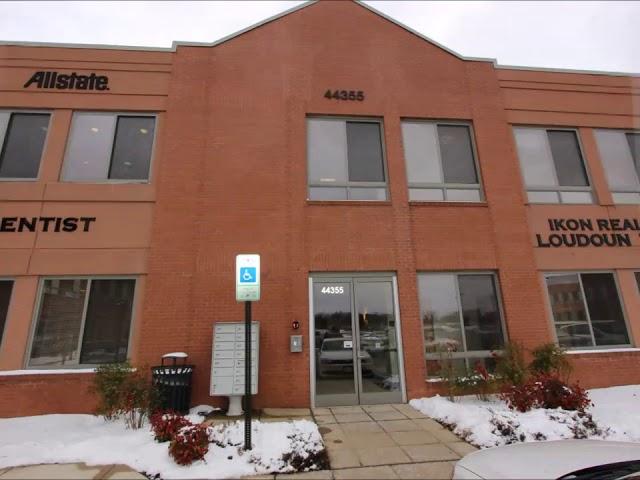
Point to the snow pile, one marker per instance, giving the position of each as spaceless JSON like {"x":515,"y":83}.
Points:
{"x":614,"y":416}
{"x":277,"y":447}
{"x":197,"y":414}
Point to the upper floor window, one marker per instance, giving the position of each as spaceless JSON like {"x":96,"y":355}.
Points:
{"x":22,"y":137}
{"x":552,"y":166}
{"x":620,"y":153}
{"x":440,"y":162}
{"x":82,"y":321}
{"x":6,"y":286}
{"x":109,"y":146}
{"x":345,"y":159}
{"x":586,"y":310}
{"x":461,"y":320}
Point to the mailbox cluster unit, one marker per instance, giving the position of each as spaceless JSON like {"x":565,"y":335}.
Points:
{"x":227,"y":366}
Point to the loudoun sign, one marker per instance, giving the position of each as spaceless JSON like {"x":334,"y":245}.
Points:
{"x":71,"y":81}
{"x":586,"y":232}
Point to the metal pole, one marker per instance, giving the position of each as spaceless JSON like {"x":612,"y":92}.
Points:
{"x":247,"y":375}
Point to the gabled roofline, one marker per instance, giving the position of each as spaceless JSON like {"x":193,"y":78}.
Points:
{"x":424,"y":37}
{"x":177,"y":43}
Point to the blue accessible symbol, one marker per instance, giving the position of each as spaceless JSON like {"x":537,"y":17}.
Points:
{"x":247,"y":274}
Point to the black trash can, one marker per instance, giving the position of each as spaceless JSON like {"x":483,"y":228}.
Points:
{"x":173,"y":383}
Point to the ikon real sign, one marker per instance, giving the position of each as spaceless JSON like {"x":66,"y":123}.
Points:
{"x":590,"y":232}
{"x":247,"y":278}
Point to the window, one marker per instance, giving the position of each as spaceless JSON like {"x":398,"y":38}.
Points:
{"x":440,"y":162}
{"x":346,"y":160}
{"x":22,"y":136}
{"x":461,"y":320}
{"x":82,"y":321}
{"x":6,"y":286}
{"x":106,"y":146}
{"x":620,"y":153}
{"x":592,"y":314}
{"x":552,"y":166}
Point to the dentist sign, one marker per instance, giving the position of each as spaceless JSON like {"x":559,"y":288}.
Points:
{"x":247,"y":278}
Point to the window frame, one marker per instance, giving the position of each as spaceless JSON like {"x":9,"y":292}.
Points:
{"x":154,"y":115}
{"x":11,"y":111}
{"x":558,"y":189}
{"x":444,"y":186}
{"x":465,"y":355}
{"x":551,"y":319}
{"x":614,"y":190}
{"x":6,"y":320}
{"x":348,"y":185}
{"x":36,"y":315}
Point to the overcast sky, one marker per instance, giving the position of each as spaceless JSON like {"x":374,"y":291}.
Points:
{"x":580,"y":35}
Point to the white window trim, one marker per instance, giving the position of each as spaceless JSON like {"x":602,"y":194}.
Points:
{"x":348,"y":185}
{"x":443,"y":186}
{"x":466,"y":354}
{"x":36,"y":315}
{"x":551,"y":319}
{"x":44,"y":145}
{"x":154,"y":115}
{"x":557,"y":188}
{"x":614,"y":189}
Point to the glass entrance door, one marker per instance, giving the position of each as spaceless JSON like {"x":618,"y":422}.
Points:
{"x":356,"y":346}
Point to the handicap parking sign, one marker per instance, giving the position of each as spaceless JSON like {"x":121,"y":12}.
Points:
{"x":247,"y":278}
{"x":247,"y":274}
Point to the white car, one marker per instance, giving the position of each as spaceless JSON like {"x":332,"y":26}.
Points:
{"x":558,"y":459}
{"x":336,"y":357}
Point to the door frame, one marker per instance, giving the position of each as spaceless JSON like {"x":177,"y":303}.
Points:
{"x":398,"y":324}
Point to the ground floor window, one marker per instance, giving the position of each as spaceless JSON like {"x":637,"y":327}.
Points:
{"x":586,"y":310}
{"x":6,"y":286}
{"x":82,"y":321}
{"x":461,"y":319}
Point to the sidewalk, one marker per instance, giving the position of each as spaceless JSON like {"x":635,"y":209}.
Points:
{"x":363,"y":442}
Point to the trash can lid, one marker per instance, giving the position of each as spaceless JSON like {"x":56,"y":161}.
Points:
{"x":175,"y":355}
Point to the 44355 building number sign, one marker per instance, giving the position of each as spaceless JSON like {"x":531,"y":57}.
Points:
{"x":344,"y":95}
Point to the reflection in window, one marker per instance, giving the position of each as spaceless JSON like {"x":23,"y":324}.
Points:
{"x":440,"y":162}
{"x":552,"y":166}
{"x":6,"y":286}
{"x":620,"y":154}
{"x":345,"y":160}
{"x":461,"y":320}
{"x":82,"y":321}
{"x":589,"y":313}
{"x":105,"y":146}
{"x":22,"y":137}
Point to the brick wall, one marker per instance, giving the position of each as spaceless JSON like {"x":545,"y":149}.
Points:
{"x":25,"y":395}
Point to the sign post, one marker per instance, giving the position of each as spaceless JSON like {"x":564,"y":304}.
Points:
{"x":247,"y":291}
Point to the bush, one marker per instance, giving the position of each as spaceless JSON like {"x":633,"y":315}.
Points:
{"x":546,"y":391}
{"x":511,"y":366}
{"x":166,"y":425}
{"x":123,"y":392}
{"x":550,"y":359}
{"x":191,"y":443}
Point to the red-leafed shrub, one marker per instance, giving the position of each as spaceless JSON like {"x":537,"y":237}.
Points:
{"x":189,"y":444}
{"x":546,"y":391}
{"x":165,"y":425}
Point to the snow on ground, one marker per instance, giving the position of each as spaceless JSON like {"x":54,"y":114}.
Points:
{"x":616,"y":413}
{"x":89,"y":439}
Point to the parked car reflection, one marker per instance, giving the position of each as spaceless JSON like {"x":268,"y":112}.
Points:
{"x":336,"y":358}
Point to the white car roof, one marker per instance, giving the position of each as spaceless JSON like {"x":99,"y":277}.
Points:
{"x":552,"y":459}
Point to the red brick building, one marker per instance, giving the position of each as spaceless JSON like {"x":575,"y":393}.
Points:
{"x":404,"y":200}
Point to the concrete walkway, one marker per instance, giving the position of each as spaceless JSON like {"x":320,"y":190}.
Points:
{"x":385,"y":441}
{"x":363,"y":442}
